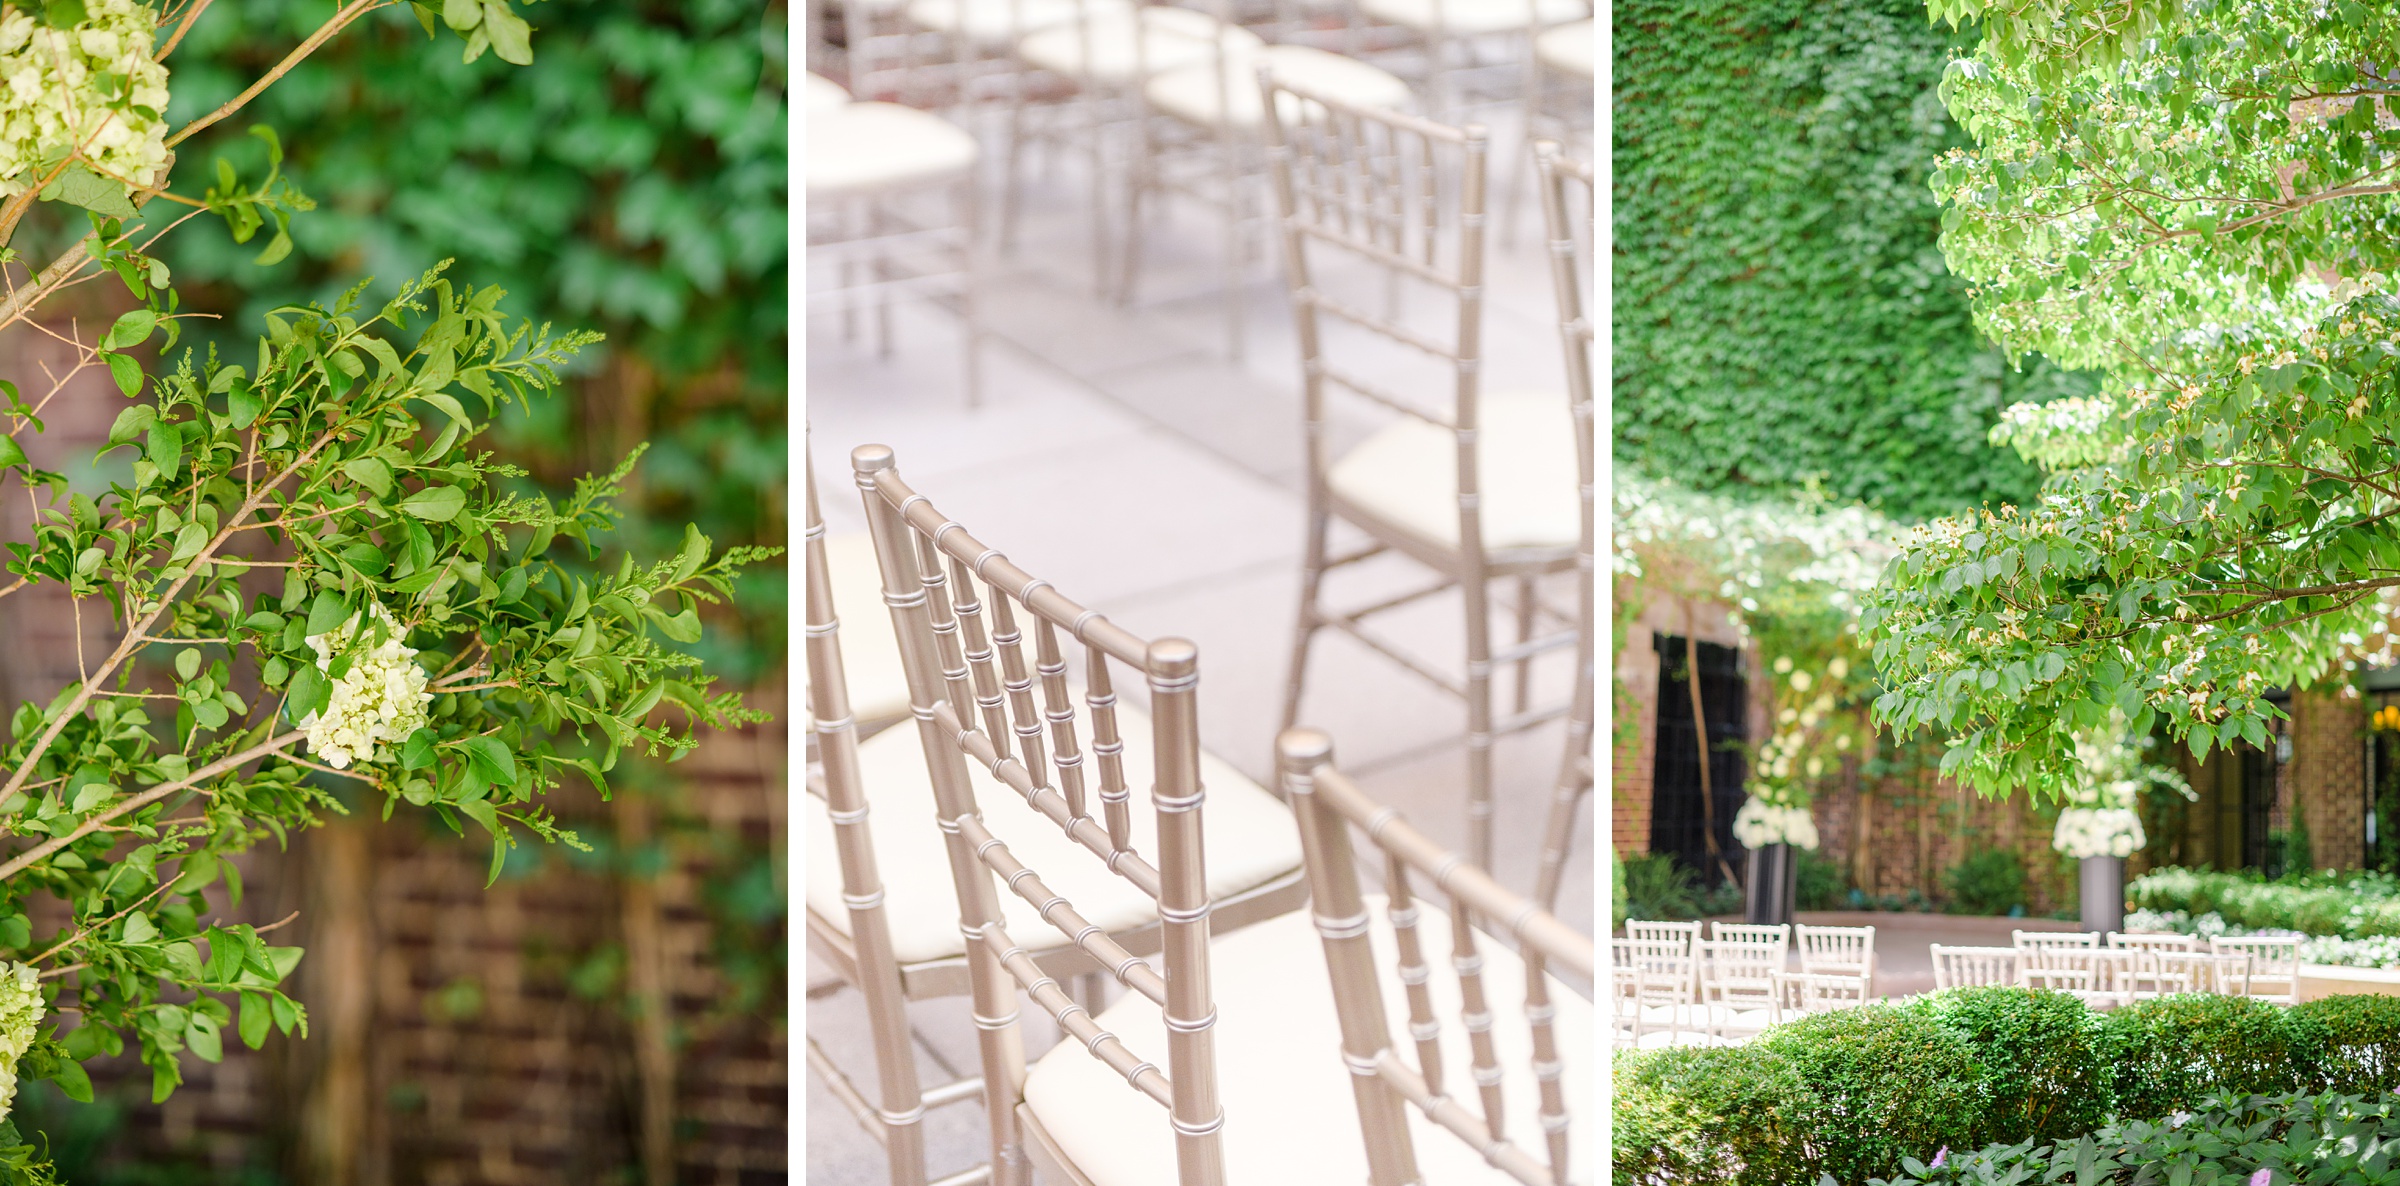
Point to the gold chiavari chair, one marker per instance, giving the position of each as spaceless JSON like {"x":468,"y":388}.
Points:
{"x":967,"y":619}
{"x":1974,"y":967}
{"x":895,"y":1115}
{"x":1476,"y":486}
{"x":1385,"y":1082}
{"x":1570,"y":274}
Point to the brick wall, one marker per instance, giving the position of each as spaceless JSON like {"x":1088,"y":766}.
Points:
{"x":2328,"y":774}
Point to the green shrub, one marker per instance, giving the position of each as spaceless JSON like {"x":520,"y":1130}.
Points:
{"x":2172,"y":1052}
{"x":1883,"y":1083}
{"x":1616,"y":896}
{"x":1657,"y":886}
{"x":1823,"y":884}
{"x":2299,"y":1140}
{"x":2352,"y":1043}
{"x":2047,"y":1073}
{"x":1726,"y":1115}
{"x":1989,"y":882}
{"x":2346,"y":905}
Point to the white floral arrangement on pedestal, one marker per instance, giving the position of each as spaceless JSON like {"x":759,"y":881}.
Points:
{"x":2100,"y":820}
{"x":1760,"y":823}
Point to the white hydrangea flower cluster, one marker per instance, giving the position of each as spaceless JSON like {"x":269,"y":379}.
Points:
{"x":1760,"y":823}
{"x":1756,"y":548}
{"x":20,"y":1012}
{"x":50,"y":103}
{"x":378,"y":702}
{"x":2099,"y":832}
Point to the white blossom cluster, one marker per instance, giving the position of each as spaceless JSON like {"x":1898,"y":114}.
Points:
{"x":1760,"y":823}
{"x":1836,"y":552}
{"x":379,"y":701}
{"x":52,"y":101}
{"x":20,"y":1012}
{"x":2373,"y":951}
{"x":2099,"y":832}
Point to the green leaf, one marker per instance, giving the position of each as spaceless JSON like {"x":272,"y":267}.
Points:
{"x":256,"y":1017}
{"x":492,"y":758}
{"x":166,"y":447}
{"x":16,"y":931}
{"x":187,"y":662}
{"x":132,"y":329}
{"x":79,"y":186}
{"x":462,"y":15}
{"x":126,"y":372}
{"x":11,"y":454}
{"x":439,"y":504}
{"x":201,"y":1034}
{"x":244,"y":403}
{"x":511,"y":37}
{"x":307,"y":694}
{"x":370,"y":473}
{"x":72,"y":1081}
{"x":131,"y":424}
{"x":326,"y":613}
{"x":417,"y":752}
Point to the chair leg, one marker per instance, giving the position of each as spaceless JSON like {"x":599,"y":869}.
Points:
{"x":1312,"y":580}
{"x":1525,"y":607}
{"x":1479,"y":719}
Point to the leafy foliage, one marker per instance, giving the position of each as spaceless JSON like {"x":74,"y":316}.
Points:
{"x":1783,"y":315}
{"x":2350,"y":905}
{"x":1991,"y":881}
{"x":2194,"y":197}
{"x":2294,"y":1139}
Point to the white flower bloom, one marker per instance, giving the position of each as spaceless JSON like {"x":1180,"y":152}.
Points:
{"x":1760,"y":823}
{"x":20,"y":1012}
{"x":2098,"y":832}
{"x":378,"y":702}
{"x":1838,"y":668}
{"x":50,"y":106}
{"x":1800,"y":681}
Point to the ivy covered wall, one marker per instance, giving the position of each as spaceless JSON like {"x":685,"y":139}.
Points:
{"x":1782,"y":311}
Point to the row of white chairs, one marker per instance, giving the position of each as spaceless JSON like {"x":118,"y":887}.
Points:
{"x":2129,"y":966}
{"x":1669,"y":985}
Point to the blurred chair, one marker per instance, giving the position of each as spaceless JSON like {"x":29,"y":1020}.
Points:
{"x":819,"y":93}
{"x":1474,"y":486}
{"x":1473,"y":52}
{"x":1974,"y":967}
{"x":1741,"y":985}
{"x":1386,"y":1083}
{"x":1838,"y":952}
{"x":2274,"y":959}
{"x":2064,"y":961}
{"x":1558,"y":108}
{"x":865,"y":162}
{"x":1202,"y":140}
{"x":1034,"y":810}
{"x":1817,"y":992}
{"x":1571,"y":276}
{"x":1776,"y":933}
{"x":2159,"y":965}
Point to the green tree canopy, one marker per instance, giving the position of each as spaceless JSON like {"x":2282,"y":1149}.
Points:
{"x":2195,"y":196}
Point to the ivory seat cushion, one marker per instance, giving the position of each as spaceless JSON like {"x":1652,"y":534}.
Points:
{"x":877,"y":684}
{"x":819,"y":93}
{"x":1407,"y":475}
{"x":996,"y":24}
{"x":869,"y":147}
{"x":1171,"y":38}
{"x":1190,"y":94}
{"x":1473,"y":16}
{"x":1568,"y":48}
{"x":1249,"y":835}
{"x":1290,"y":1116}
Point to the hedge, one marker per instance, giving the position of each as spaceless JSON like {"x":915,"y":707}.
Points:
{"x":2348,"y":906}
{"x":1853,"y":1093}
{"x":2294,"y":1139}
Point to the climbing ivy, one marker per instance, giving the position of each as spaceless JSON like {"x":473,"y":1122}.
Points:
{"x":1783,"y":312}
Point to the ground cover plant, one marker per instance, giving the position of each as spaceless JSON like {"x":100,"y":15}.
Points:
{"x":2295,"y":1139}
{"x":308,"y":572}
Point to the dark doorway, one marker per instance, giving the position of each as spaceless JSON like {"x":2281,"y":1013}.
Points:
{"x":1678,"y":822}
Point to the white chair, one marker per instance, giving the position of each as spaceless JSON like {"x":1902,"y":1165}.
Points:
{"x":1838,"y":952}
{"x":1457,"y":39}
{"x":819,"y":93}
{"x":1976,"y":967}
{"x":1741,"y":986}
{"x":868,"y":166}
{"x":2155,"y":965}
{"x":2064,"y":961}
{"x":1816,"y":992}
{"x":2273,"y":959}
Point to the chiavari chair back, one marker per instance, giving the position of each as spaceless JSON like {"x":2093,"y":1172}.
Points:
{"x":1378,"y":206}
{"x":2067,"y":961}
{"x":2273,"y":970}
{"x":1385,"y":1080}
{"x":1741,"y":984}
{"x":1974,"y":967}
{"x":987,"y":652}
{"x":1571,"y":277}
